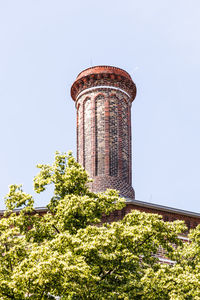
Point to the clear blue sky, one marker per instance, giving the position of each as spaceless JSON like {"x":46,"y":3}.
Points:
{"x":44,"y":44}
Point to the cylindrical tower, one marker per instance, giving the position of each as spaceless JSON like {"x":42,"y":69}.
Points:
{"x":103,"y":96}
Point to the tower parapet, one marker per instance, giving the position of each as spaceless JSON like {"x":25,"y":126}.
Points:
{"x":103,"y":96}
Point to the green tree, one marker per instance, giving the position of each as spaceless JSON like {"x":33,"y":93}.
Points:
{"x":68,"y":253}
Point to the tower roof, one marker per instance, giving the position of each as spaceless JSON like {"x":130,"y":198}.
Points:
{"x":103,"y":70}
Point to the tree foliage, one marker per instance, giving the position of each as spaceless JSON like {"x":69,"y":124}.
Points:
{"x":69,"y":254}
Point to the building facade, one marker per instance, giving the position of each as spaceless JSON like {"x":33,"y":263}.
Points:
{"x":103,"y":98}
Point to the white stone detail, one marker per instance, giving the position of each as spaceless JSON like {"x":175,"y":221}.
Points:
{"x":100,"y":87}
{"x":168,"y":261}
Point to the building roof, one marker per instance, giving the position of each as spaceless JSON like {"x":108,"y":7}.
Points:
{"x":164,"y":208}
{"x":141,"y":204}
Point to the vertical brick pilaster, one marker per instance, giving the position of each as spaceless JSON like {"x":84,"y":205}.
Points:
{"x":80,"y":133}
{"x":120,"y":140}
{"x":130,"y":150}
{"x":83,"y":133}
{"x":77,"y":135}
{"x":93,"y":142}
{"x":107,"y":137}
{"x":103,"y":95}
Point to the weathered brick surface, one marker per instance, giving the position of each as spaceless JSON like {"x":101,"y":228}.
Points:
{"x":99,"y":135}
{"x":113,"y":133}
{"x":101,"y":183}
{"x":190,"y":221}
{"x":87,"y":135}
{"x":104,"y":101}
{"x":103,"y":98}
{"x":125,"y":142}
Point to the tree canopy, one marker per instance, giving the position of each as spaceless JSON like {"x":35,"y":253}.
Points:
{"x":68,"y":253}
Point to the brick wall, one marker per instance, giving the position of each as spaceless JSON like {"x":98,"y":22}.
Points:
{"x":168,"y":216}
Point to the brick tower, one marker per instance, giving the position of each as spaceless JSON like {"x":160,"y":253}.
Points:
{"x":103,"y":96}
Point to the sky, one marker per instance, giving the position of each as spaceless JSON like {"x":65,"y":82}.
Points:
{"x":44,"y":44}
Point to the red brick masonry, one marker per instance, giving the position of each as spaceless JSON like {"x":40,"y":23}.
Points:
{"x":170,"y":214}
{"x":104,"y":96}
{"x":191,"y":219}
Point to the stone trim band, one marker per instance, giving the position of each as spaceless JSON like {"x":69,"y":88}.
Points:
{"x":101,"y":87}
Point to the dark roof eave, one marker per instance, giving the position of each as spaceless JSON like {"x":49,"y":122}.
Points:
{"x":141,"y":204}
{"x":163,"y":208}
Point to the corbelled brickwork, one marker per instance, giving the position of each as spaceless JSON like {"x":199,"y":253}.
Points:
{"x":103,"y":98}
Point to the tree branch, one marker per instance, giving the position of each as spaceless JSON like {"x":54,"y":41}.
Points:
{"x":144,"y":241}
{"x":56,"y":228}
{"x":9,"y":260}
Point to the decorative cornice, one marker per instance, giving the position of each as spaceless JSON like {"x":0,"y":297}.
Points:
{"x":103,"y":76}
{"x":101,"y":87}
{"x":103,"y":69}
